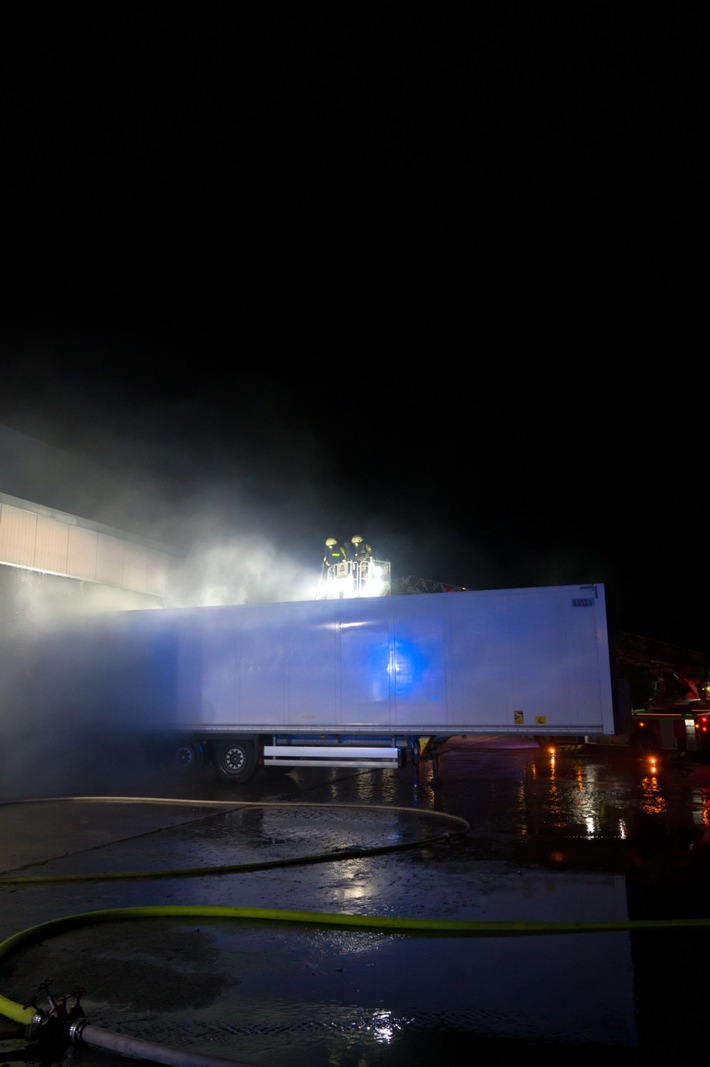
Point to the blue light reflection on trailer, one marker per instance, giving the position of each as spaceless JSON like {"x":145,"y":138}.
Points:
{"x":407,"y":665}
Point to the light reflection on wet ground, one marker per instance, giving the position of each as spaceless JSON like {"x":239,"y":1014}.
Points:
{"x":581,"y":836}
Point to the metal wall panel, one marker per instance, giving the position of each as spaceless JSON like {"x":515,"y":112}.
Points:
{"x":18,"y":531}
{"x":52,"y":538}
{"x":81,"y":554}
{"x":109,"y":560}
{"x":54,"y":543}
{"x":135,"y":566}
{"x":51,"y":545}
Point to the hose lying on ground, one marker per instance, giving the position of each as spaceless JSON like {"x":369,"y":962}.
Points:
{"x":136,"y":1048}
{"x":437,"y":927}
{"x":456,"y":827}
{"x":79,"y":1029}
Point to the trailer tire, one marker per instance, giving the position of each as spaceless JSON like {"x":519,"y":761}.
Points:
{"x":235,"y":761}
{"x":186,"y":757}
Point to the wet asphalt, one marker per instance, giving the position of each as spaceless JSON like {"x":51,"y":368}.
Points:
{"x":296,"y":970}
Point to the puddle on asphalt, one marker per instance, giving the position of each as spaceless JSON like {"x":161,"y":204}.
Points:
{"x":270,"y":993}
{"x":289,"y":996}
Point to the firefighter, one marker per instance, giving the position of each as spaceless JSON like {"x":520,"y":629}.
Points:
{"x":361,"y":550}
{"x":334,"y":553}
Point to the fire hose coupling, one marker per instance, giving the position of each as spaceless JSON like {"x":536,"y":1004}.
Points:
{"x":52,"y":1023}
{"x":77,"y":1029}
{"x":33,"y":1028}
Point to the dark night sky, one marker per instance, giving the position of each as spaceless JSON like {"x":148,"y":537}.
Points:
{"x":426,"y":272}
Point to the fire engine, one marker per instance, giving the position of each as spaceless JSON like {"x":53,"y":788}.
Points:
{"x":663,"y":695}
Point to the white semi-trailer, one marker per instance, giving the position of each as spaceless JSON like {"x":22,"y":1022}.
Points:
{"x":358,"y":681}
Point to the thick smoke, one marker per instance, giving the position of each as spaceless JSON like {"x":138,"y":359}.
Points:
{"x":245,"y":491}
{"x":246,"y":514}
{"x":244,"y":500}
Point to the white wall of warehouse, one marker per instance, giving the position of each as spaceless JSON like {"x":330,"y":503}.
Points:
{"x":42,"y":540}
{"x":58,"y":561}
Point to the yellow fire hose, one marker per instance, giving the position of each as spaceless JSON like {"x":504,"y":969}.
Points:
{"x":437,"y":927}
{"x":121,"y":1045}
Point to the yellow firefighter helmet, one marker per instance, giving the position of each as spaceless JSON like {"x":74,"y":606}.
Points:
{"x":357,"y":540}
{"x":330,"y":542}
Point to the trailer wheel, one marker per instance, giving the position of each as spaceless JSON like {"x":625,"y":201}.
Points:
{"x":235,"y":760}
{"x":186,"y":757}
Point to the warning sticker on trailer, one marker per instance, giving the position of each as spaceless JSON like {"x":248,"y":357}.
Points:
{"x":518,"y":718}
